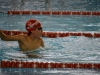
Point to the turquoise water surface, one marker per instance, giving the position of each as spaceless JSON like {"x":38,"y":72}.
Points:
{"x":67,"y":49}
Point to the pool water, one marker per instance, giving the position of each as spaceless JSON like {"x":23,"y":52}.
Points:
{"x":66,"y":49}
{"x":73,"y":46}
{"x":30,"y":71}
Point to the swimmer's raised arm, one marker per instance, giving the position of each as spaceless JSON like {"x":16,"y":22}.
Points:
{"x":28,"y":42}
{"x":9,"y":37}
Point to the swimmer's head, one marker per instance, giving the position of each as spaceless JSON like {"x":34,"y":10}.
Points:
{"x":32,"y":24}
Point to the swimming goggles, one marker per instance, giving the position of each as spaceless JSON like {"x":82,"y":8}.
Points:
{"x":40,"y":28}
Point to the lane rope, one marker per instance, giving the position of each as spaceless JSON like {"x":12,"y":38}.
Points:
{"x":51,"y":34}
{"x":31,"y":64}
{"x":27,"y":64}
{"x":34,"y":12}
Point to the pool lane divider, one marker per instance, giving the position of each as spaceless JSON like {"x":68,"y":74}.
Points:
{"x":26,"y":64}
{"x":50,"y":34}
{"x":36,"y":12}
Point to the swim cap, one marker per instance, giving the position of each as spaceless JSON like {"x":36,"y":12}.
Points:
{"x":32,"y":24}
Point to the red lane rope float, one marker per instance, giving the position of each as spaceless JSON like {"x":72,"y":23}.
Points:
{"x":25,"y":12}
{"x":56,"y":34}
{"x":46,"y":12}
{"x":97,"y":35}
{"x":76,"y":13}
{"x":34,"y":12}
{"x":66,"y":13}
{"x":86,"y":13}
{"x":56,"y":13}
{"x":87,"y":34}
{"x":26,"y":64}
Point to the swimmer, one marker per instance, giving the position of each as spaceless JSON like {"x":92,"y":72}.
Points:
{"x":28,"y":42}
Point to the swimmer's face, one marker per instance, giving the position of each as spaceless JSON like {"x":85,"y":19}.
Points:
{"x":38,"y":32}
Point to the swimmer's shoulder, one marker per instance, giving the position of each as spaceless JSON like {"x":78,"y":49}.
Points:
{"x":21,"y":36}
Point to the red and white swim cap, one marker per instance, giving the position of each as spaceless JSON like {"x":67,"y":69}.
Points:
{"x":32,"y":24}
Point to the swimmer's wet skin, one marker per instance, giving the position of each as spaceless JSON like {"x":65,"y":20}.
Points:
{"x":28,"y":42}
